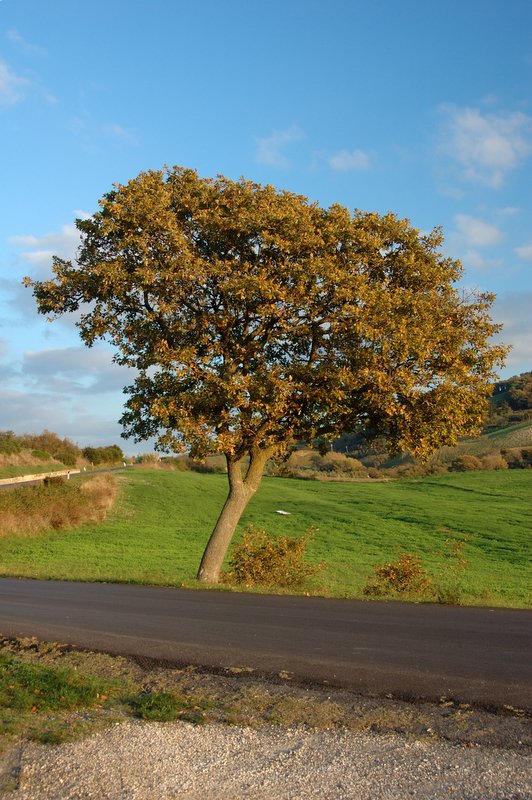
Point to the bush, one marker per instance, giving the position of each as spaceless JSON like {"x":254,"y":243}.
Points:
{"x":465,"y":463}
{"x":9,"y":443}
{"x":493,"y":461}
{"x":270,"y":560}
{"x":437,"y":468}
{"x":112,"y":454}
{"x":448,"y":588}
{"x":403,"y":576}
{"x":54,"y":480}
{"x":62,"y":450}
{"x":338,"y":464}
{"x":150,"y":459}
{"x":518,"y":457}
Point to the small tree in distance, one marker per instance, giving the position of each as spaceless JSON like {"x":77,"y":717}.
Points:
{"x":256,"y":319}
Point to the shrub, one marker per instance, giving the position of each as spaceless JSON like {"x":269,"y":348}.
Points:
{"x":62,"y":450}
{"x":448,"y":589}
{"x":54,"y":480}
{"x":270,"y":560}
{"x":518,"y":457}
{"x":437,"y":468}
{"x":465,"y":463}
{"x":112,"y":454}
{"x":403,"y":576}
{"x":337,"y":463}
{"x":151,"y":459}
{"x":408,"y":471}
{"x":9,"y":443}
{"x":493,"y":461}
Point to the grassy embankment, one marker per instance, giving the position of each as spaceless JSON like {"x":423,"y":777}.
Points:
{"x":31,"y":469}
{"x":158,"y":528}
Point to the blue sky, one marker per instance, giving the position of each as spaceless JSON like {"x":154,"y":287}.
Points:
{"x":418,"y":107}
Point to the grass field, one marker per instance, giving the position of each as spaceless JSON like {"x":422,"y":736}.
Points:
{"x":158,"y":528}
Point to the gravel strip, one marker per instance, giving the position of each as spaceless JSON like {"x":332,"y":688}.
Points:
{"x":143,"y":761}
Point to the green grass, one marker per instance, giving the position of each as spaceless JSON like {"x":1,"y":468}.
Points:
{"x":158,"y":529}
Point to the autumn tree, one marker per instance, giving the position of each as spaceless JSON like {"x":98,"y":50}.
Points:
{"x":255,"y":319}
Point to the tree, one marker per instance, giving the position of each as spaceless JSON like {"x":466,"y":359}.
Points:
{"x":255,"y":319}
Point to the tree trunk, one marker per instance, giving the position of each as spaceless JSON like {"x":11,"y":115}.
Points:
{"x":241,"y":490}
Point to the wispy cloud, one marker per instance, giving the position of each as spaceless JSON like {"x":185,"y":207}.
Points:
{"x":23,"y":45}
{"x":470,"y":237}
{"x":474,"y":232}
{"x":525,"y":252}
{"x":270,"y":149}
{"x":118,"y":132}
{"x":346,"y":160}
{"x":91,"y":132}
{"x":485,"y":147}
{"x":12,"y":87}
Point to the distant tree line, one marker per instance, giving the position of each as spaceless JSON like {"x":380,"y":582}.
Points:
{"x":49,"y":446}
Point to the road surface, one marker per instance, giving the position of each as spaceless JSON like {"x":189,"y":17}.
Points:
{"x":410,"y":651}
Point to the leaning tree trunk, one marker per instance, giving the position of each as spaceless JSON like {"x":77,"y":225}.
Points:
{"x":241,"y":490}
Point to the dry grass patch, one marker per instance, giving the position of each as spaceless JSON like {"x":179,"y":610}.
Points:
{"x":56,"y":504}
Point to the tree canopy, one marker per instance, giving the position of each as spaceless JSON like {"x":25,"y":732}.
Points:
{"x":255,"y":318}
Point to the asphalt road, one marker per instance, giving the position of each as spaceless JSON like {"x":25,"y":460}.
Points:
{"x":474,"y":655}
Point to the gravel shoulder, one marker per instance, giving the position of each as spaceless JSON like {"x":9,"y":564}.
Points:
{"x":267,"y":739}
{"x":181,"y":760}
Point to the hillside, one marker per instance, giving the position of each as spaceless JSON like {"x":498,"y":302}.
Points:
{"x":507,"y":433}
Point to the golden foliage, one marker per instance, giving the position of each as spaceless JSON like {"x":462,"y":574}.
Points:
{"x":254,"y":318}
{"x":257,"y":318}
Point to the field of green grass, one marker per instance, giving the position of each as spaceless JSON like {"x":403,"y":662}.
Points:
{"x":160,"y":524}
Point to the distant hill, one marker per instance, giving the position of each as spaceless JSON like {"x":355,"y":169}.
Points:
{"x":511,"y":402}
{"x":508,"y":427}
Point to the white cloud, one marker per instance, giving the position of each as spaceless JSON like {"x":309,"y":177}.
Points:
{"x":23,"y":45}
{"x":270,"y":149}
{"x":485,"y":147}
{"x":524,"y":252}
{"x":12,"y":87}
{"x":473,"y":232}
{"x":38,"y":250}
{"x":472,"y":259}
{"x":509,"y":211}
{"x":347,"y":160}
